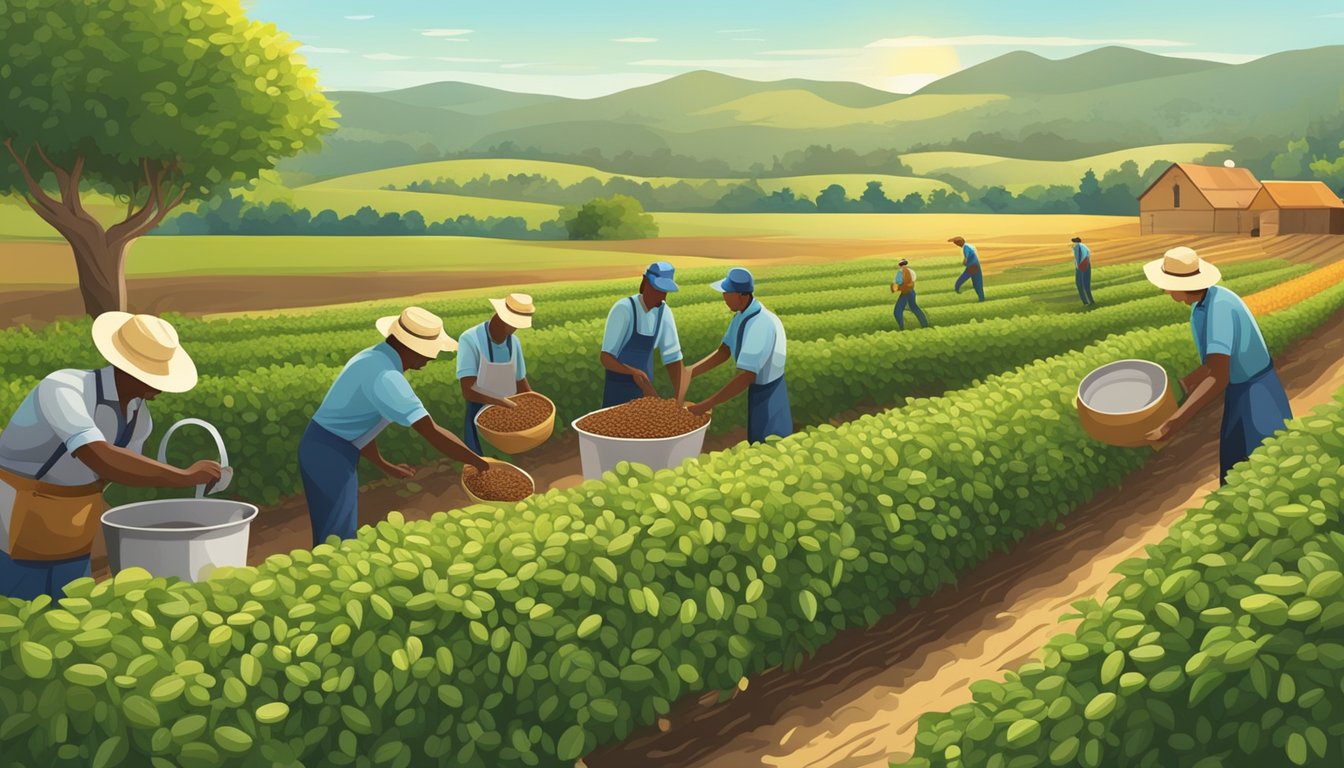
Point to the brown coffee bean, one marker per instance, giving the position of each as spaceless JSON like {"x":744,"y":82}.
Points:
{"x":646,"y":418}
{"x":532,"y":410}
{"x":501,"y":482}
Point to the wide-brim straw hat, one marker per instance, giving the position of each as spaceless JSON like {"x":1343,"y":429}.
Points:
{"x":1181,"y":269}
{"x":516,"y":309}
{"x":420,"y":330}
{"x":145,"y":347}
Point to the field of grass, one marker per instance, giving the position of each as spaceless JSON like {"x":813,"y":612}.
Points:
{"x":930,"y":227}
{"x":1017,"y":175}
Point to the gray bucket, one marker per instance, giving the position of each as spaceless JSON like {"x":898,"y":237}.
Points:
{"x":181,"y":538}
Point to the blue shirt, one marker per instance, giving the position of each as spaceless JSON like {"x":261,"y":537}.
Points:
{"x":972,"y":259}
{"x":618,"y":330}
{"x":1223,"y":325}
{"x":763,"y":345}
{"x":900,"y":276}
{"x":1080,"y":254}
{"x":370,"y":392}
{"x":472,"y":351}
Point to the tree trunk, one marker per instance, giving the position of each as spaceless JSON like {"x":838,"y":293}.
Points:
{"x":102,"y":276}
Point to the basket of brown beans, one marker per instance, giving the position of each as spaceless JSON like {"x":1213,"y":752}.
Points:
{"x":501,"y":482}
{"x":521,"y":428}
{"x":651,"y":431}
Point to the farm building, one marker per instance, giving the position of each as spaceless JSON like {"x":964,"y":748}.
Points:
{"x":1296,"y":207}
{"x":1198,"y":199}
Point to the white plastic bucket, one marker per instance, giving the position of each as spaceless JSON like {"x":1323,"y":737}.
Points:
{"x":183,"y":538}
{"x":600,"y":453}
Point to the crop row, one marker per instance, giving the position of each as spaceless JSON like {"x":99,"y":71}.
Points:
{"x":531,"y":634}
{"x":1223,"y":646}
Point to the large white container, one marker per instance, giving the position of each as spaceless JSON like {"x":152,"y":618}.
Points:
{"x":182,"y":538}
{"x":600,"y":453}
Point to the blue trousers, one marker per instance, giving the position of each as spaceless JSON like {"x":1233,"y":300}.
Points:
{"x":26,"y":579}
{"x":329,"y":465}
{"x":768,"y":411}
{"x":977,"y":279}
{"x":1083,"y":279}
{"x":1252,"y":411}
{"x":908,"y":300}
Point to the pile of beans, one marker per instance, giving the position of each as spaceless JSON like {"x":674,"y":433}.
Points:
{"x":501,"y":482}
{"x":532,"y":410}
{"x":647,"y":418}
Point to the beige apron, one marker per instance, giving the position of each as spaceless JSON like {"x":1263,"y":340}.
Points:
{"x":52,"y":522}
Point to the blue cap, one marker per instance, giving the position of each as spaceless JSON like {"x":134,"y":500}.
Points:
{"x":738,"y":280}
{"x":660,"y":275}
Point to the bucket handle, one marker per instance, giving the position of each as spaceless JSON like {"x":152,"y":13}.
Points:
{"x":227,"y":473}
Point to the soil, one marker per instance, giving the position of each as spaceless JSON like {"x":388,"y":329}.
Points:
{"x":857,"y":702}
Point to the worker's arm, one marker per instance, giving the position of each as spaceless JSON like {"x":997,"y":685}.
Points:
{"x":641,"y":378}
{"x":736,"y":386}
{"x":1209,"y":388}
{"x":676,"y":374}
{"x":375,"y":457}
{"x":471,"y":394}
{"x":523,"y":385}
{"x":712,"y":361}
{"x":448,"y":444}
{"x":119,"y":465}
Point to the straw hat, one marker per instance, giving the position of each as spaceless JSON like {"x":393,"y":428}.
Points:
{"x":515,"y":309}
{"x":147,"y":348}
{"x":420,"y":330}
{"x":1181,"y":269}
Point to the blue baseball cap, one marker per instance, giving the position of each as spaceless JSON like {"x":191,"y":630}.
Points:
{"x":738,"y":280}
{"x":660,"y":274}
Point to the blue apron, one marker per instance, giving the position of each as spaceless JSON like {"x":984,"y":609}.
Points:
{"x":26,"y":579}
{"x":768,"y":410}
{"x":1252,"y":411}
{"x":329,"y":468}
{"x":637,"y":353}
{"x":470,"y":435}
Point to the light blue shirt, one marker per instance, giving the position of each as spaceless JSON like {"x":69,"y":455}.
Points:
{"x":368,"y":394}
{"x":900,"y":276}
{"x":476,"y":347}
{"x":972,"y":258}
{"x":1080,"y":254}
{"x":618,"y":330}
{"x":1223,"y":325}
{"x":764,"y":346}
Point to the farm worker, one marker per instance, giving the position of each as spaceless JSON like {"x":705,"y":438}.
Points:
{"x":369,"y":393}
{"x":1082,"y":271}
{"x":971,"y":260}
{"x":490,"y":365}
{"x":75,"y":432}
{"x":635,"y":326}
{"x":1235,"y":360}
{"x":755,"y":340}
{"x":904,"y":283}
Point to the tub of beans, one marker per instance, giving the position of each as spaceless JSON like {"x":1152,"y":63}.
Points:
{"x":501,"y":482}
{"x":519,"y":429}
{"x":651,"y":431}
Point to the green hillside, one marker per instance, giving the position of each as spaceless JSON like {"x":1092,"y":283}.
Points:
{"x":1021,"y":72}
{"x":1016,"y":175}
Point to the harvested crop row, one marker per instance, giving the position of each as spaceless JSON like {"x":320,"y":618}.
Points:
{"x":532,"y":409}
{"x":645,"y":418}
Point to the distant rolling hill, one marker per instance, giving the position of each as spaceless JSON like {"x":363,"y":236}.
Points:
{"x":1020,"y":72}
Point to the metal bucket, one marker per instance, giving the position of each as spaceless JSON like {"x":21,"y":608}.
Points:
{"x":182,"y":538}
{"x":600,"y":453}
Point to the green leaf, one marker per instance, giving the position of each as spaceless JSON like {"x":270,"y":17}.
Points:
{"x":571,"y":744}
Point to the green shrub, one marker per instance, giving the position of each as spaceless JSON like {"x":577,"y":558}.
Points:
{"x":619,"y":217}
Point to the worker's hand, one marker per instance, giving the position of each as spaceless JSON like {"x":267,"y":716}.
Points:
{"x":204,"y":473}
{"x":402,"y":471}
{"x":480,"y":464}
{"x":642,"y":381}
{"x":1162,"y":433}
{"x":893,"y":287}
{"x":698,"y":409}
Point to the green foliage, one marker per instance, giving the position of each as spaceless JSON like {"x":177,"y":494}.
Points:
{"x":618,"y":217}
{"x":119,"y":83}
{"x":1230,"y":632}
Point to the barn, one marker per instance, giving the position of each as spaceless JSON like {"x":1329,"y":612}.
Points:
{"x":1190,"y":199}
{"x":1296,"y":207}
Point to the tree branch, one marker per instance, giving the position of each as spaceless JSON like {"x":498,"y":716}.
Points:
{"x":155,"y":208}
{"x":36,"y":195}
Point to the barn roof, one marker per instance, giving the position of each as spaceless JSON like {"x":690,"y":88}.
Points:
{"x":1222,"y":187}
{"x":1302,"y":194}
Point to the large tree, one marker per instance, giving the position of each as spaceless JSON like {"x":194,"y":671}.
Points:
{"x":150,"y":102}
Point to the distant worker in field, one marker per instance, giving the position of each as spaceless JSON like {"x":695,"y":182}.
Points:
{"x":490,"y":366}
{"x":1235,"y":361}
{"x":368,"y":394}
{"x":636,"y":325}
{"x":74,"y":433}
{"x":755,"y":341}
{"x":970,"y":259}
{"x":1082,"y":271}
{"x":904,"y":284}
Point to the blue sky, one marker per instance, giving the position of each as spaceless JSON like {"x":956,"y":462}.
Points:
{"x":587,"y":49}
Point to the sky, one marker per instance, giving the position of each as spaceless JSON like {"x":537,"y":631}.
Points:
{"x":594,"y":47}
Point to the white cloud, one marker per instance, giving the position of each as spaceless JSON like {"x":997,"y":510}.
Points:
{"x":920,"y":41}
{"x":360,"y":18}
{"x":520,"y":65}
{"x":315,"y":49}
{"x":458,"y":59}
{"x":1225,"y":58}
{"x":634,"y":40}
{"x":385,"y":57}
{"x":445,"y":32}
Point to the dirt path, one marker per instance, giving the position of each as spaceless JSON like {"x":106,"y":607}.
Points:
{"x":856,"y":704}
